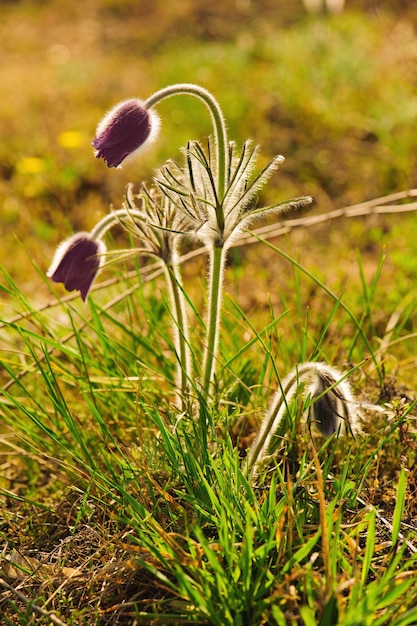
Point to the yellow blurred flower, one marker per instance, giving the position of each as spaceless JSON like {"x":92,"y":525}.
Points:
{"x":31,"y":165}
{"x":70,"y":139}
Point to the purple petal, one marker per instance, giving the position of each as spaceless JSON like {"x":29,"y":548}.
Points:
{"x":76,"y":263}
{"x":122,"y":131}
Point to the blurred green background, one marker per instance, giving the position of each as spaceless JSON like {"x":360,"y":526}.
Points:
{"x":334,"y":93}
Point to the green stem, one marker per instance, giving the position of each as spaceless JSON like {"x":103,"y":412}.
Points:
{"x":173,"y":275}
{"x":219,"y":124}
{"x":217,"y":254}
{"x":271,"y":423}
{"x":180,"y":327}
{"x":217,"y":263}
{"x":112,"y":219}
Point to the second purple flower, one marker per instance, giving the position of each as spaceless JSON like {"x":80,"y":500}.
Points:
{"x":124,"y":131}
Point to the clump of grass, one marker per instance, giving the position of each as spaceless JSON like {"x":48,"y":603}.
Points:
{"x":175,"y":530}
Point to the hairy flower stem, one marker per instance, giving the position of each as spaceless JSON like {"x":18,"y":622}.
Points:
{"x":216,"y":270}
{"x":217,"y":254}
{"x":219,"y":124}
{"x":174,"y":281}
{"x":272,"y":421}
{"x":180,"y":328}
{"x":112,"y":219}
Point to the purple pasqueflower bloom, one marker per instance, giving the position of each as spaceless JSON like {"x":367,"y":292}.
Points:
{"x":124,"y":131}
{"x":76,"y":262}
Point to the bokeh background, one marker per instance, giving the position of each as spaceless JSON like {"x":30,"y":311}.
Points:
{"x":334,"y":92}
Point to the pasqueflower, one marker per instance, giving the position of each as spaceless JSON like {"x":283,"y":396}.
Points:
{"x":332,"y":409}
{"x":76,"y":262}
{"x":124,"y":131}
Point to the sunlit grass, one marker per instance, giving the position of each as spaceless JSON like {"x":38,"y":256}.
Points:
{"x":91,"y":404}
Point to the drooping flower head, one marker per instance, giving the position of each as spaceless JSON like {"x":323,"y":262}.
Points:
{"x":333,"y":405}
{"x":124,"y":131}
{"x":76,"y":262}
{"x":333,"y":408}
